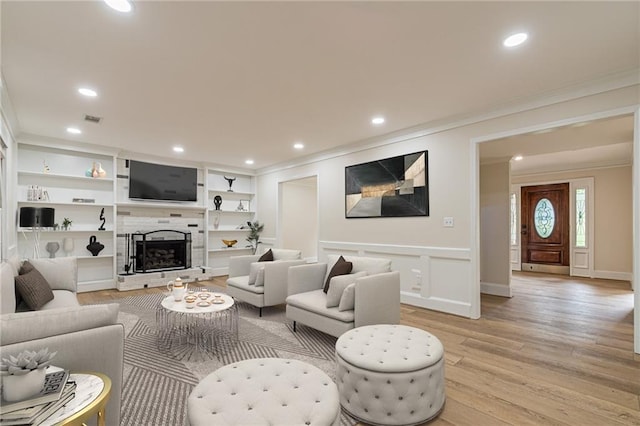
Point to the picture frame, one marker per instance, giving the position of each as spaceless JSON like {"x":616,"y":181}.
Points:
{"x":391,"y":187}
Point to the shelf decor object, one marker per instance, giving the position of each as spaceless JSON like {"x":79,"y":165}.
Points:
{"x":52,"y":247}
{"x":68,"y":245}
{"x":94,"y":246}
{"x":36,"y":218}
{"x":102,"y":228}
{"x":230,"y":180}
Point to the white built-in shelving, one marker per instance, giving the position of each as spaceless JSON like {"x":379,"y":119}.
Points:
{"x":61,"y":176}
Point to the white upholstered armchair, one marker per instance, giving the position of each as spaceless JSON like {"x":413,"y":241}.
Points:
{"x":369,"y":294}
{"x":261,"y":283}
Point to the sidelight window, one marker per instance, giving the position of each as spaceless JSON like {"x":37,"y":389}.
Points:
{"x":581,"y":217}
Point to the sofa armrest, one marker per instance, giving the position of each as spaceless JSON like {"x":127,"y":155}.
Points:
{"x":275,"y":280}
{"x":27,"y":326}
{"x":305,"y":278}
{"x":240,"y":265}
{"x":61,"y":272}
{"x":377,"y":299}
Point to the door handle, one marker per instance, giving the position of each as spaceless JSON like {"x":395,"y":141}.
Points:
{"x":523,"y":232}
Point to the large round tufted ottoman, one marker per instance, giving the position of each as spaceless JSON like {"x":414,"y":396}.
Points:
{"x":265,"y":391}
{"x":390,"y":374}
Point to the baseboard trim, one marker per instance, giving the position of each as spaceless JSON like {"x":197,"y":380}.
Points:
{"x":495,"y":289}
{"x":613,"y":275}
{"x":437,"y":304}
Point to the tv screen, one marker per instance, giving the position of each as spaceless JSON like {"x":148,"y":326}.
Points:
{"x":149,"y":181}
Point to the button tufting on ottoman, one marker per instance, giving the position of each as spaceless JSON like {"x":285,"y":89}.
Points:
{"x":390,"y":374}
{"x":265,"y":391}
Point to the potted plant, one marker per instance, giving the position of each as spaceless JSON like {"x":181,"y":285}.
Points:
{"x":23,"y":375}
{"x":66,"y":224}
{"x":255,"y":228}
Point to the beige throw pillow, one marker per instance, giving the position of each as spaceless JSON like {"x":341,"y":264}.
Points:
{"x":348,"y":299}
{"x":338,"y":285}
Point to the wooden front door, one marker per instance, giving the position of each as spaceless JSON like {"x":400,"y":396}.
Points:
{"x":545,"y":228}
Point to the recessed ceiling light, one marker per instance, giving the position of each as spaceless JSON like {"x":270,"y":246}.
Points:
{"x":377,"y":120}
{"x":74,"y":130}
{"x":178,"y":149}
{"x":248,"y":162}
{"x":119,"y":5}
{"x":88,"y":92}
{"x":298,"y":145}
{"x":518,"y":157}
{"x":515,"y":40}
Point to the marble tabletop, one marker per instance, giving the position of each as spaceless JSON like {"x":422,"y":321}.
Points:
{"x":171,"y":304}
{"x":87,"y":390}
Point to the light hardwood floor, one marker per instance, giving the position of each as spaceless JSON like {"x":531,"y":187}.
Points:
{"x":560,"y":351}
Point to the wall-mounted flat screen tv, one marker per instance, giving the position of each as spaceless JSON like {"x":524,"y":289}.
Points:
{"x":149,"y":181}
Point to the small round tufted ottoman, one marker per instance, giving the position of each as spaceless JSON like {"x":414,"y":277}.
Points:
{"x":265,"y":391}
{"x":390,"y":374}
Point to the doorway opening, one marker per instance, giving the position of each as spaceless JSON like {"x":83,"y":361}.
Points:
{"x":298,"y":216}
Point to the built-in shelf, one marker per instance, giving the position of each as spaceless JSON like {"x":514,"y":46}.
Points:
{"x":233,"y":211}
{"x":53,"y":203}
{"x":237,"y":194}
{"x":229,"y":230}
{"x":71,"y":177}
{"x":100,"y":256}
{"x":229,"y":249}
{"x":161,"y":206}
{"x":62,"y":231}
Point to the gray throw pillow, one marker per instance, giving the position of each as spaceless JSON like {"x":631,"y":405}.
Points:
{"x":260,"y":277}
{"x":33,"y":287}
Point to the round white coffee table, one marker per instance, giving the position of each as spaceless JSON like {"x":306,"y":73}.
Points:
{"x":184,"y":332}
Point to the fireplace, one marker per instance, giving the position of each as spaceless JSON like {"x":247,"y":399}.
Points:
{"x":163,"y":250}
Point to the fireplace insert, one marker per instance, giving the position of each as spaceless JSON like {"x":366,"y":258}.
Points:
{"x":163,"y":250}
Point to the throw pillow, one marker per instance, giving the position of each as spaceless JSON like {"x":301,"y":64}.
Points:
{"x":260,"y":277}
{"x":266,"y":257}
{"x":34,"y":289}
{"x":341,"y":267}
{"x":338,"y":285}
{"x":348,"y":299}
{"x":253,"y":272}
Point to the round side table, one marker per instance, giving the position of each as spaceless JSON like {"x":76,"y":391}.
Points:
{"x":92,"y":394}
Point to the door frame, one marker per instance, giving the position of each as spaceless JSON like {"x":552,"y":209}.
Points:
{"x":474,"y":177}
{"x":574,"y":252}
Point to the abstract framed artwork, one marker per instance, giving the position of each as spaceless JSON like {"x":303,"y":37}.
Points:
{"x":393,"y":187}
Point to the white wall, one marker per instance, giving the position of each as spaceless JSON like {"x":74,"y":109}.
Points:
{"x":495,"y":268}
{"x":7,"y":123}
{"x":445,"y":258}
{"x":299,"y":216}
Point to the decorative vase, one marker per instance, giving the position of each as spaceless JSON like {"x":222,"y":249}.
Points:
{"x":68,"y":245}
{"x":216,"y":221}
{"x":52,"y":247}
{"x":94,"y":246}
{"x":17,"y":388}
{"x":101,"y":172}
{"x":94,"y":170}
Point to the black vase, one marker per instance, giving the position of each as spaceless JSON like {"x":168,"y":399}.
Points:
{"x":94,"y":246}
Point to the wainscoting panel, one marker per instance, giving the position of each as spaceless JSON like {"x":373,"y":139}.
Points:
{"x":430,"y":277}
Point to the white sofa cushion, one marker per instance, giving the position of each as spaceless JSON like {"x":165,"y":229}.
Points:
{"x":62,"y":299}
{"x":7,"y":289}
{"x":337,"y":286}
{"x":348,"y":299}
{"x":286,"y":254}
{"x":61,"y":272}
{"x":253,"y":271}
{"x":242,"y":282}
{"x":316,"y":302}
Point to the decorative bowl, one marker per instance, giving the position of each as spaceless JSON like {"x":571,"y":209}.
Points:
{"x":229,"y":243}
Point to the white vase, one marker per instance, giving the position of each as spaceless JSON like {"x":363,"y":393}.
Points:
{"x":17,"y":388}
{"x":68,"y":245}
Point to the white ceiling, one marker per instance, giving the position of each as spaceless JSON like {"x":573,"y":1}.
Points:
{"x":237,"y":80}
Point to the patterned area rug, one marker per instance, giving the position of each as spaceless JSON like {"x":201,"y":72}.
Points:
{"x":156,"y":385}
